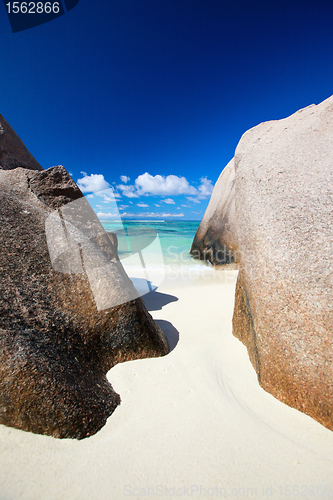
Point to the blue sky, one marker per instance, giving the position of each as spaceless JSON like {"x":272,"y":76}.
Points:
{"x":146,"y":100}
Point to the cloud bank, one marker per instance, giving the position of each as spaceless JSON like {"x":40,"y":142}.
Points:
{"x":170,"y":185}
{"x":146,"y":185}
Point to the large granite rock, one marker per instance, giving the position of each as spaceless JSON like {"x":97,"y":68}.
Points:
{"x":13,"y":152}
{"x":284,"y":296}
{"x":68,"y":311}
{"x":216,"y":238}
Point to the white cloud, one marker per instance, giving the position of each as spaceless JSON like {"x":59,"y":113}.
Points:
{"x":122,"y":207}
{"x":161,"y":214}
{"x":92,"y":183}
{"x":186,"y":206}
{"x":90,"y":196}
{"x":169,"y":201}
{"x":204,"y":190}
{"x":140,"y":215}
{"x":110,"y":215}
{"x":161,"y":185}
{"x":157,"y":205}
{"x":108,"y":194}
{"x":124,"y":179}
{"x":128,"y":191}
{"x":128,"y":214}
{"x":172,"y":215}
{"x":206,"y":187}
{"x":142,"y":205}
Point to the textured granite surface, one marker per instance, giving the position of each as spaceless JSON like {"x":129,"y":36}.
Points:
{"x":284,"y":297}
{"x":216,"y":238}
{"x":68,"y":311}
{"x":13,"y":152}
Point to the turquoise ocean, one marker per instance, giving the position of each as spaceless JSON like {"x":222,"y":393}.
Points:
{"x":164,"y":246}
{"x":175,"y":237}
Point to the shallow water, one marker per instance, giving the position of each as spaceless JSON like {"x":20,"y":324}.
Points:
{"x":175,"y":239}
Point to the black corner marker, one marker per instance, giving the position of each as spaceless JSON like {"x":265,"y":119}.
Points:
{"x":26,"y":15}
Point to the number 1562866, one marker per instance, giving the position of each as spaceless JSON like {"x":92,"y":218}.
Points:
{"x":33,"y":8}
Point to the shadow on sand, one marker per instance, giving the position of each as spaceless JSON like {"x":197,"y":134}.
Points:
{"x":170,"y":332}
{"x":154,"y":301}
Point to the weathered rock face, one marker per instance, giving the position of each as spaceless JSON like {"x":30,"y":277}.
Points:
{"x":284,"y":297}
{"x":216,"y":238}
{"x":13,"y":152}
{"x":68,"y":311}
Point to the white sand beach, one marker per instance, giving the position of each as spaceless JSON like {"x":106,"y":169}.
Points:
{"x":194,"y":424}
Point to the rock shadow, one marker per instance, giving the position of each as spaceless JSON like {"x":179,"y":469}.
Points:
{"x":154,"y":301}
{"x":170,"y":332}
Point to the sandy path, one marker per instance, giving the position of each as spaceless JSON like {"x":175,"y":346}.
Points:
{"x":194,"y":424}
